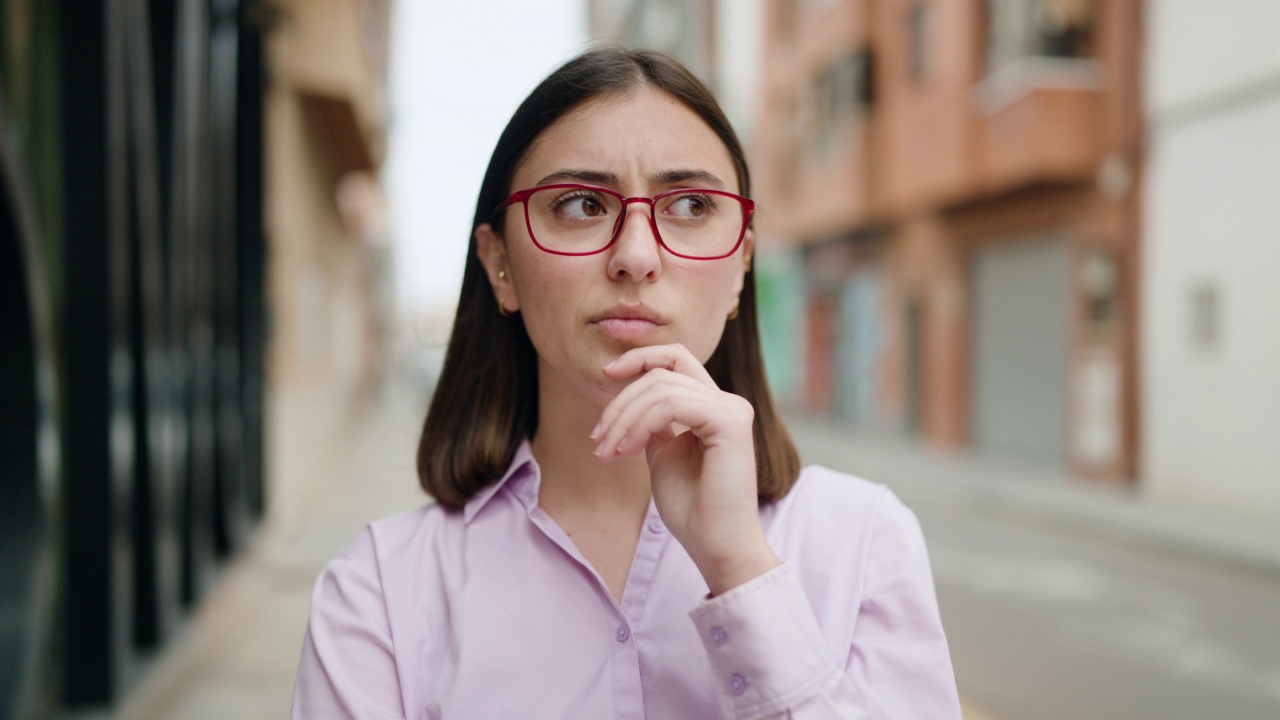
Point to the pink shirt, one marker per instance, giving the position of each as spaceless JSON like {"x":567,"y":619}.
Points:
{"x":493,"y":613}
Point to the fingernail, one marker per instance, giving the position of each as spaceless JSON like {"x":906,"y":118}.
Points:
{"x":595,"y":432}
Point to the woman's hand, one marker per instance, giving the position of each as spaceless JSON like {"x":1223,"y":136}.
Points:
{"x":704,"y":480}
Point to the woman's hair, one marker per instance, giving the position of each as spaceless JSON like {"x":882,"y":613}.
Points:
{"x":486,"y":400}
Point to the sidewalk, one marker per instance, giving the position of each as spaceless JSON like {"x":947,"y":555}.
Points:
{"x":1030,"y":493}
{"x":237,"y":654}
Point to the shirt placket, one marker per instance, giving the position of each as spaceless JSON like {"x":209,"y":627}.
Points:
{"x":628,"y":687}
{"x":628,"y":690}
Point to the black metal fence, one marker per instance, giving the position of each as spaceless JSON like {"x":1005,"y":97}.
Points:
{"x":131,"y":329}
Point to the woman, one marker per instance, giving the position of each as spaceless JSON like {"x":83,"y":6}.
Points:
{"x":621,"y":527}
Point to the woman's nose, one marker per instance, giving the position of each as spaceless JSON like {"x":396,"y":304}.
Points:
{"x":635,"y":253}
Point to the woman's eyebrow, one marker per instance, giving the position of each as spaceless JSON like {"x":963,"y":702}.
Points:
{"x":608,"y":179}
{"x":595,"y":177}
{"x":672,"y":177}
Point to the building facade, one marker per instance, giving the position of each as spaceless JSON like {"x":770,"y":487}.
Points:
{"x":1211,"y":341}
{"x":330,"y":280}
{"x":150,"y":222}
{"x":961,"y":180}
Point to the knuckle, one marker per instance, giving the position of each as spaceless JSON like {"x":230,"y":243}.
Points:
{"x":667,"y":405}
{"x":663,"y":375}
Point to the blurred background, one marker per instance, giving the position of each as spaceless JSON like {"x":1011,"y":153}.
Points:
{"x":1018,"y":259}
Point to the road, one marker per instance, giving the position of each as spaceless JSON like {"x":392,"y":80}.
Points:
{"x":1048,"y":622}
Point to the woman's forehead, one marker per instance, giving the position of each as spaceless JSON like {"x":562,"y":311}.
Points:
{"x":645,"y":132}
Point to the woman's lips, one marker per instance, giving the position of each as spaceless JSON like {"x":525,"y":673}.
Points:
{"x":623,"y":328}
{"x":628,"y":322}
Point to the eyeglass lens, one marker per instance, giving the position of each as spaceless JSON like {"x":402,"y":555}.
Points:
{"x":581,"y":220}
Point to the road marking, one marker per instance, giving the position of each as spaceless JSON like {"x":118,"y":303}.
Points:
{"x":971,"y":712}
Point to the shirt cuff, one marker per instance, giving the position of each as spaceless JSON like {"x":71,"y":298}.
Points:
{"x":766,"y":649}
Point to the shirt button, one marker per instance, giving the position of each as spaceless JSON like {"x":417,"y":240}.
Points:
{"x":719,"y":636}
{"x":656,"y":527}
{"x":622,"y":633}
{"x":737,"y":684}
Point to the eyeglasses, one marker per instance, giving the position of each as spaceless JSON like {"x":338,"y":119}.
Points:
{"x":693,"y":223}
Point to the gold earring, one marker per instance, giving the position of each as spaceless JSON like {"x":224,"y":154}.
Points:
{"x":502,"y":274}
{"x":502,"y":308}
{"x":733,"y":314}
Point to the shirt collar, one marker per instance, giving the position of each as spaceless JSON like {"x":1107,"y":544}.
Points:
{"x":523,"y":476}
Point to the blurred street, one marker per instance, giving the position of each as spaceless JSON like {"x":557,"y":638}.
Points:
{"x":237,"y":656}
{"x":1060,"y":601}
{"x":1015,"y":259}
{"x":1066,"y":601}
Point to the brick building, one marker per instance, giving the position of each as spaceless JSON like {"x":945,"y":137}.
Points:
{"x":961,"y":181}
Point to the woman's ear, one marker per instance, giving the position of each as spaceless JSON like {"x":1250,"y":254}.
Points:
{"x":491,"y":251}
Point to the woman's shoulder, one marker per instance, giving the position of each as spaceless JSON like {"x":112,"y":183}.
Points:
{"x":831,"y":506}
{"x":822,"y":490}
{"x":398,"y":529}
{"x":387,"y":545}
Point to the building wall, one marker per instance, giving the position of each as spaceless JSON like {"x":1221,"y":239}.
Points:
{"x":326,"y":271}
{"x":780,"y":292}
{"x":1211,"y":342}
{"x":927,"y":307}
{"x":945,"y":150}
{"x":141,"y":285}
{"x":130,"y":146}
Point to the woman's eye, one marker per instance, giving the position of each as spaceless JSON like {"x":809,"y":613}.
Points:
{"x":690,"y":206}
{"x":580,"y":206}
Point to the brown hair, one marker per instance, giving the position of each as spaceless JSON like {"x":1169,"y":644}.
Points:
{"x":486,"y":401}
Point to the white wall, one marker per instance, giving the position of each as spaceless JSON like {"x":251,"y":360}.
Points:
{"x":1198,"y":49}
{"x":739,"y":40}
{"x":1211,"y":408}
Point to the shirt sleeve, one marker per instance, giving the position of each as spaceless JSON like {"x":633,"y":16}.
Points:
{"x":348,"y":666}
{"x":769,"y":655}
{"x":772,"y":660}
{"x":899,"y":653}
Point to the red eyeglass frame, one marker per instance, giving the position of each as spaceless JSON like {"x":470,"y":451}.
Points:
{"x":522,"y":197}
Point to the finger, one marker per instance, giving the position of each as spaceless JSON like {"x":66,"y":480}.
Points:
{"x":651,"y":428}
{"x":706,"y":415}
{"x":710,"y":423}
{"x":623,"y":412}
{"x":674,"y":357}
{"x":649,"y":383}
{"x":646,"y":421}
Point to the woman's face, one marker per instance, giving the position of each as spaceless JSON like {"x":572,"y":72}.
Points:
{"x":582,"y":312}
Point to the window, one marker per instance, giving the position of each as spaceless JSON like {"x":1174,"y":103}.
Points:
{"x":1021,"y":29}
{"x":843,"y":93}
{"x":919,"y":27}
{"x":1206,"y":315}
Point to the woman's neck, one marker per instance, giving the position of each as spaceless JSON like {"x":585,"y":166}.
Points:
{"x":573,"y":479}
